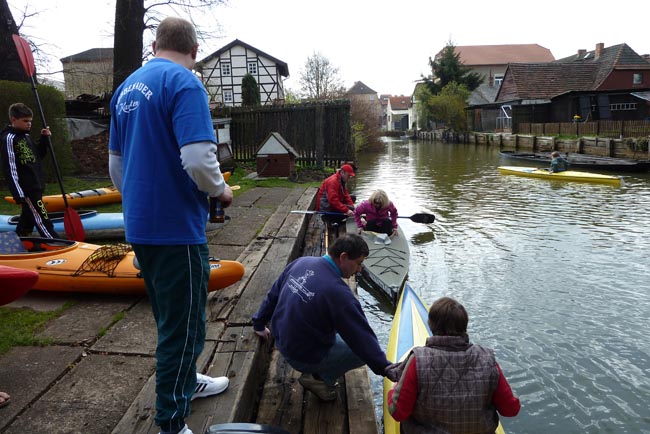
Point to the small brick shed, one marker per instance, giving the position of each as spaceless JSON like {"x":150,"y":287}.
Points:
{"x":276,"y":157}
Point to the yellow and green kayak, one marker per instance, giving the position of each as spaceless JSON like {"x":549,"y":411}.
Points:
{"x":568,"y":175}
{"x":410,"y":328}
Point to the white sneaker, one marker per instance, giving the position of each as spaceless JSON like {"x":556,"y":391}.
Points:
{"x":208,"y":386}
{"x":185,"y":430}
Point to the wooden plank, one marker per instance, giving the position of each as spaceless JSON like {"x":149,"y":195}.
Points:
{"x":361,"y":408}
{"x":202,"y":409}
{"x":282,"y":397}
{"x":260,"y":283}
{"x":326,"y":417}
{"x":221,"y":303}
{"x":240,"y":401}
{"x":139,"y":418}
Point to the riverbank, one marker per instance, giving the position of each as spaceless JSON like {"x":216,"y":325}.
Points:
{"x":97,"y":374}
{"x":631,"y":147}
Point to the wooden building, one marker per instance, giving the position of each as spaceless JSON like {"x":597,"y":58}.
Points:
{"x":608,"y":83}
{"x":222,"y":73}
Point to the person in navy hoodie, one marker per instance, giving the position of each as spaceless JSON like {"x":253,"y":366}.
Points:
{"x":318,"y":323}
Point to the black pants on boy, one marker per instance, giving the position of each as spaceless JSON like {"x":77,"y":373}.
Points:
{"x":34,"y":214}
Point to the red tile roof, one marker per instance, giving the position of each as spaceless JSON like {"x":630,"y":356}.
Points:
{"x":475,"y":55}
{"x":400,"y":102}
{"x":571,"y":74}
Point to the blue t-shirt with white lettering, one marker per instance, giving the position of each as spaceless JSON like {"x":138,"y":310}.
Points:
{"x":158,"y":109}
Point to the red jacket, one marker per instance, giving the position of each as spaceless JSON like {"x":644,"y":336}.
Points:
{"x":503,"y":399}
{"x":333,"y":195}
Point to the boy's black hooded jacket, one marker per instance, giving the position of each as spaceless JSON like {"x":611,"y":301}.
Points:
{"x":21,"y":162}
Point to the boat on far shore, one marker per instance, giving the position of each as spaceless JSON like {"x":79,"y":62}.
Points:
{"x":583,"y":161}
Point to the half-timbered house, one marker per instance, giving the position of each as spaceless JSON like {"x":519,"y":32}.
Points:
{"x":223,"y":70}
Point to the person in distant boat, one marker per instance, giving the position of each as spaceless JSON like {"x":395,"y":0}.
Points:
{"x":333,"y":195}
{"x":318,"y":323}
{"x":162,"y":158}
{"x":558,"y":163}
{"x":450,"y":385}
{"x":377,"y":214}
{"x":22,"y":168}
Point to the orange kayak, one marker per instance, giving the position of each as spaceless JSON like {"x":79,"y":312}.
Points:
{"x":80,"y":199}
{"x":70,"y":266}
{"x":86,"y":198}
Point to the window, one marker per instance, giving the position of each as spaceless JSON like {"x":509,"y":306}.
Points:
{"x":623,"y":106}
{"x":637,"y":78}
{"x":225,"y":69}
{"x":227,"y":96}
{"x":498,"y":79}
{"x":252,"y":68}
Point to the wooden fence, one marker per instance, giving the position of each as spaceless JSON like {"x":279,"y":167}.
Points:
{"x":609,"y":129}
{"x":319,"y":132}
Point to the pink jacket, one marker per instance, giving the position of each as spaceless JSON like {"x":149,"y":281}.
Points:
{"x":372,"y":213}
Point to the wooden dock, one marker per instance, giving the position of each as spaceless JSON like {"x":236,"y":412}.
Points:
{"x":264,"y":389}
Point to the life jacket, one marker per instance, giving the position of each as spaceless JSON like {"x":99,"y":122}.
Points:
{"x":456,"y":381}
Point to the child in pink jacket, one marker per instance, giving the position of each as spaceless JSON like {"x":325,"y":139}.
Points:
{"x":380,"y":214}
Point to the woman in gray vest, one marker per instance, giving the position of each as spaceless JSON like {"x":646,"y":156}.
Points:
{"x":450,"y":385}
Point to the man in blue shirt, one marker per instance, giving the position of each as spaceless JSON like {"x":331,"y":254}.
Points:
{"x":318,"y":323}
{"x":162,"y":158}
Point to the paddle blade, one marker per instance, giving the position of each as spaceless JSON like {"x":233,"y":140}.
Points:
{"x":423,"y":218}
{"x":72,"y":225}
{"x":25,"y":54}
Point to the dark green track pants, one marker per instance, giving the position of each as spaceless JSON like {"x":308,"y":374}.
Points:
{"x":177,"y":284}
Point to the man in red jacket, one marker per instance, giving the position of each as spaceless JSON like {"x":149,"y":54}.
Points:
{"x":333,"y":195}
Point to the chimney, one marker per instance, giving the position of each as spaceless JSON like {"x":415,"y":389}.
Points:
{"x":581,"y":53}
{"x":599,"y":50}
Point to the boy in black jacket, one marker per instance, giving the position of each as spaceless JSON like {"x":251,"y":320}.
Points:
{"x":23,"y":172}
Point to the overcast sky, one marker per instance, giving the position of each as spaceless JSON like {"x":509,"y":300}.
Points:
{"x":385,"y":44}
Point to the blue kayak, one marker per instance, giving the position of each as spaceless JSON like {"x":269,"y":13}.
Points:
{"x":96,"y":225}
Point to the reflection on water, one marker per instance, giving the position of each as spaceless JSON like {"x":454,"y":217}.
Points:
{"x":554,"y":275}
{"x":423,"y":237}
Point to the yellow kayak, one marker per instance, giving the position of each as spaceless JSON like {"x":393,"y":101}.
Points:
{"x":80,"y":199}
{"x":410,"y":328}
{"x":567,"y":175}
{"x":87,"y":198}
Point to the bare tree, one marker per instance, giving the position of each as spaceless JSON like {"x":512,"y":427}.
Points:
{"x":134,"y":17}
{"x":320,"y":79}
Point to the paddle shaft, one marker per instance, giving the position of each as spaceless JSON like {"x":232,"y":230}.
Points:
{"x":72,"y":221}
{"x":417,"y":218}
{"x":27,"y":61}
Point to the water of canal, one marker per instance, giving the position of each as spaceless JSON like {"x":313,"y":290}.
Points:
{"x":555,"y":277}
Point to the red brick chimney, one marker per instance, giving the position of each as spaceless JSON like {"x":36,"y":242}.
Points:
{"x":599,"y":50}
{"x":581,"y":53}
